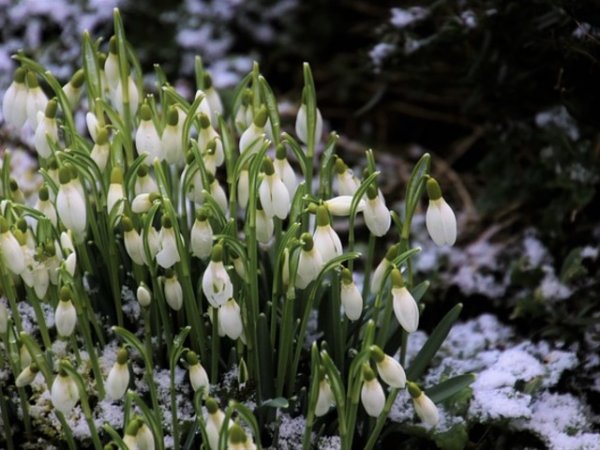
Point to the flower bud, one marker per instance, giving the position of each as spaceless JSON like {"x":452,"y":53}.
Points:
{"x":145,"y":438}
{"x":325,"y":399}
{"x":64,"y":393}
{"x":147,"y":140}
{"x":14,"y":105}
{"x":340,"y":206}
{"x":424,"y":407}
{"x":405,"y":306}
{"x":274,"y":196}
{"x":65,"y":315}
{"x":118,"y":377}
{"x":27,"y":375}
{"x":440,"y":219}
{"x":173,"y":291}
{"x":371,"y":393}
{"x":216,"y":283}
{"x":198,"y":375}
{"x":350,"y":296}
{"x":388,"y":368}
{"x":144,"y":295}
{"x":230,"y":319}
{"x":201,"y":238}
{"x":302,"y":124}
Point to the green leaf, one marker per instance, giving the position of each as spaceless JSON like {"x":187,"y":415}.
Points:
{"x":432,"y":345}
{"x":456,"y":438}
{"x":278,"y":402}
{"x":450,"y":387}
{"x":415,"y":188}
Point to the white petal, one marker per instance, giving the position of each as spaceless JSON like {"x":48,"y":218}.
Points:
{"x":198,"y":377}
{"x":230,"y":319}
{"x":406,"y":309}
{"x":147,"y":141}
{"x":280,"y":197}
{"x":441,"y":222}
{"x":201,"y":239}
{"x":173,"y":293}
{"x":309,"y":266}
{"x":372,"y":397}
{"x":391,"y":372}
{"x":64,"y":394}
{"x":351,"y":300}
{"x":216,"y":284}
{"x":117,"y":381}
{"x":12,"y":253}
{"x":426,"y":409}
{"x":264,"y":227}
{"x":325,"y":400}
{"x":71,"y":209}
{"x":65,"y":318}
{"x":327,"y":242}
{"x":377,"y":216}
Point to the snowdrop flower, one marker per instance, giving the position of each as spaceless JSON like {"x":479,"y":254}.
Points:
{"x":41,"y":279}
{"x":254,"y":135}
{"x":46,"y":130}
{"x":196,"y":186}
{"x":64,"y":392}
{"x":70,"y":204}
{"x":340,"y":205}
{"x":45,"y":206}
{"x":133,"y":242}
{"x":371,"y":393}
{"x":424,"y":407}
{"x":173,"y":290}
{"x":27,"y":375}
{"x":213,"y":99}
{"x":116,"y":193}
{"x":12,"y":254}
{"x":243,"y":115}
{"x":118,"y":376}
{"x":65,"y":316}
{"x":92,"y":125}
{"x":143,"y":295}
{"x":147,"y":140}
{"x":145,"y":438}
{"x":243,"y":188}
{"x":14,"y":104}
{"x":264,"y":225}
{"x":325,"y":399}
{"x":284,"y":170}
{"x":379,"y":273}
{"x":405,"y":306}
{"x":216,"y":283}
{"x":388,"y":368}
{"x":351,"y":297}
{"x":171,"y":140}
{"x":198,"y":376}
{"x":217,"y":193}
{"x":377,"y":216}
{"x":326,"y":239}
{"x":440,"y":219}
{"x":143,"y":202}
{"x":101,"y":149}
{"x":36,"y":99}
{"x":211,"y":156}
{"x":310,"y":262}
{"x":111,"y":65}
{"x":144,"y":183}
{"x":302,"y":125}
{"x":201,"y":238}
{"x":347,"y":183}
{"x":230,"y":319}
{"x":238,"y":439}
{"x":153,"y":242}
{"x":273,"y":194}
{"x":130,"y":438}
{"x":119,"y":97}
{"x":169,"y":253}
{"x":72,"y":89}
{"x":214,"y":422}
{"x":206,"y":135}
{"x":204,"y":106}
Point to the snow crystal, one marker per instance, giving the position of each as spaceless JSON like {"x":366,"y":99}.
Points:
{"x":131,"y":307}
{"x":290,"y":432}
{"x":469,"y":19}
{"x":379,"y":53}
{"x":551,"y":287}
{"x":401,"y":18}
{"x":560,"y":118}
{"x":330,"y":443}
{"x":535,"y":251}
{"x":589,"y":252}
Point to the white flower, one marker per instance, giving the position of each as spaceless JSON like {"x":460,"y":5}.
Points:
{"x":64,"y":393}
{"x":440,"y":219}
{"x":274,"y":196}
{"x":111,"y":65}
{"x":41,"y":280}
{"x":171,"y":140}
{"x":217,"y":193}
{"x":115,"y":191}
{"x":302,"y":125}
{"x":118,"y":376}
{"x":379,"y":273}
{"x":371,"y":393}
{"x":201,"y":238}
{"x":147,"y":140}
{"x":168,"y":254}
{"x":243,"y":188}
{"x":45,"y":206}
{"x":143,"y":202}
{"x":173,"y":291}
{"x":144,"y":295}
{"x":326,"y":239}
{"x":230,"y":319}
{"x":264,"y":226}
{"x":347,"y":183}
{"x":133,"y":242}
{"x":71,"y":263}
{"x":144,"y":183}
{"x":216,"y":283}
{"x":214,"y":422}
{"x":14,"y":104}
{"x":213,"y":99}
{"x":72,"y":89}
{"x":46,"y":130}
{"x":204,"y":106}
{"x":119,"y":97}
{"x":388,"y":368}
{"x":70,"y":204}
{"x":253,"y":137}
{"x":36,"y":99}
{"x":206,"y":135}
{"x":424,"y":406}
{"x":405,"y":306}
{"x":65,"y":317}
{"x":310,"y":262}
{"x":377,"y":216}
{"x":237,"y":438}
{"x":130,"y":438}
{"x":12,"y":254}
{"x":340,"y":205}
{"x":325,"y":399}
{"x":198,"y":375}
{"x":27,"y":376}
{"x":145,"y":438}
{"x":351,"y":297}
{"x":92,"y":125}
{"x":285,"y":171}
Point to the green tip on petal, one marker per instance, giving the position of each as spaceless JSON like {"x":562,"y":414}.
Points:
{"x":112,"y":45}
{"x":413,"y":389}
{"x":392,"y":252}
{"x":307,"y":241}
{"x":434,"y":191}
{"x":172,"y":116}
{"x":64,"y":175}
{"x":397,"y":280}
{"x":211,"y":405}
{"x":217,"y":253}
{"x":260,"y":119}
{"x":116,"y":175}
{"x":367,"y":372}
{"x":237,"y":434}
{"x":377,"y":354}
{"x":32,"y":81}
{"x":20,"y":75}
{"x":204,"y":120}
{"x":322,"y":216}
{"x":65,"y":294}
{"x":145,"y":112}
{"x":267,"y":166}
{"x":122,"y":356}
{"x":78,"y":79}
{"x":51,"y":109}
{"x":191,"y":358}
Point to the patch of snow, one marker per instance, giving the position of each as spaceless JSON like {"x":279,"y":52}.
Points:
{"x":401,"y":18}
{"x":290,"y":432}
{"x":379,"y":53}
{"x":551,"y":287}
{"x":560,"y":118}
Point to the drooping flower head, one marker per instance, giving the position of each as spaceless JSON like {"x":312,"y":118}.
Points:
{"x":440,"y":219}
{"x":424,"y":406}
{"x":405,"y":306}
{"x":216,"y":283}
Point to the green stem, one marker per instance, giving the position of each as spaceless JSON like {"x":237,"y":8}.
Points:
{"x":368,"y":266}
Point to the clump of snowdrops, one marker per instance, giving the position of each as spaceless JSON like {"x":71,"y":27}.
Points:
{"x":224,"y":226}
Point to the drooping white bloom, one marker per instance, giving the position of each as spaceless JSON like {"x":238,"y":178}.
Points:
{"x":379,"y":273}
{"x":213,"y":157}
{"x":201,"y":238}
{"x":143,"y":202}
{"x":405,"y":306}
{"x":350,"y":296}
{"x":70,"y":204}
{"x":92,"y":125}
{"x":65,"y":317}
{"x":133,"y":242}
{"x":325,"y":399}
{"x":197,"y":373}
{"x":371,"y":393}
{"x":218,"y":193}
{"x":36,"y":99}
{"x":41,"y":279}
{"x":326,"y":239}
{"x":72,"y":89}
{"x":168,"y":254}
{"x":27,"y":376}
{"x":377,"y":215}
{"x":440,"y":219}
{"x":285,"y":172}
{"x":145,"y":438}
{"x":253,"y":137}
{"x":116,"y":192}
{"x":310,"y":262}
{"x":171,"y":140}
{"x":230,"y":319}
{"x":45,"y":206}
{"x":12,"y":254}
{"x":111,"y":65}
{"x":388,"y":368}
{"x":424,"y":406}
{"x":213,"y":99}
{"x":302,"y":124}
{"x":147,"y":140}
{"x":119,"y":97}
{"x":264,"y":226}
{"x":207,"y":135}
{"x":173,"y":291}
{"x":340,"y":205}
{"x":101,"y":149}
{"x":118,"y":376}
{"x":238,"y":439}
{"x":274,"y":196}
{"x":71,"y":263}
{"x":214,"y":422}
{"x":14,"y":104}
{"x":216,"y":284}
{"x":46,"y":130}
{"x":130,"y":438}
{"x":64,"y":393}
{"x":346,"y":182}
{"x":144,"y":295}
